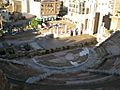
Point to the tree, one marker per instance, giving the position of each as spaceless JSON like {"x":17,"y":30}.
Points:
{"x":34,"y":23}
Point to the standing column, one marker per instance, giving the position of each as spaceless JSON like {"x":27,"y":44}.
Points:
{"x":65,"y":29}
{"x":99,"y":27}
{"x":53,"y":31}
{"x":61,"y":32}
{"x":57,"y":32}
{"x":74,"y":32}
{"x":79,"y":28}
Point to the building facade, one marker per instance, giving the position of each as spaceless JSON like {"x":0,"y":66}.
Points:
{"x":94,"y":16}
{"x":82,"y":12}
{"x":104,"y":8}
{"x":115,"y":23}
{"x":42,"y":9}
{"x":50,"y":9}
{"x":65,"y":3}
{"x":116,"y":7}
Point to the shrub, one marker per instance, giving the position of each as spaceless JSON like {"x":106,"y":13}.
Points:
{"x":29,"y":55}
{"x":59,"y":49}
{"x":63,"y":48}
{"x":27,"y":47}
{"x":52,"y":50}
{"x":47,"y":51}
{"x":43,"y":53}
{"x":11,"y":56}
{"x":2,"y":52}
{"x":56,"y":49}
{"x":67,"y":47}
{"x":38,"y":53}
{"x":110,"y":31}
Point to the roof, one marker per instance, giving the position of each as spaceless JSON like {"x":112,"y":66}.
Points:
{"x":28,"y":16}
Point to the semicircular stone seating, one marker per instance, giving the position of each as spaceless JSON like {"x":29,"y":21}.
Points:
{"x":102,"y":64}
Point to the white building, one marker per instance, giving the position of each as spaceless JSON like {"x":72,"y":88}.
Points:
{"x":104,"y":7}
{"x":27,"y":6}
{"x":35,"y":8}
{"x":82,"y":12}
{"x":65,"y":3}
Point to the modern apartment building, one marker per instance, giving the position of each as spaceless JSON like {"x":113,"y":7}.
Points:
{"x":108,"y":8}
{"x":65,"y":3}
{"x":82,"y":12}
{"x":94,"y":16}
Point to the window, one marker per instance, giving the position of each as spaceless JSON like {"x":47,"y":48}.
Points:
{"x":69,"y":9}
{"x":83,"y":11}
{"x":87,"y":10}
{"x":76,"y":6}
{"x":83,"y":4}
{"x":51,"y":5}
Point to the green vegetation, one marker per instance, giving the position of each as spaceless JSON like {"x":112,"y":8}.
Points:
{"x":1,"y":32}
{"x":110,"y":31}
{"x":34,"y":23}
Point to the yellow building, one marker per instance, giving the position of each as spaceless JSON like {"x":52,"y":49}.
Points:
{"x":17,"y":6}
{"x":50,"y":9}
{"x":116,"y":10}
{"x":115,"y":23}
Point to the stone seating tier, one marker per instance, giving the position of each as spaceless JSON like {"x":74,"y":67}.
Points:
{"x":111,"y":46}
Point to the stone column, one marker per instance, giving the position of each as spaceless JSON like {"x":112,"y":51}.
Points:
{"x":79,"y":28}
{"x":53,"y":31}
{"x":65,"y":29}
{"x":61,"y":32}
{"x":57,"y":32}
{"x":99,"y":27}
{"x":74,"y":33}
